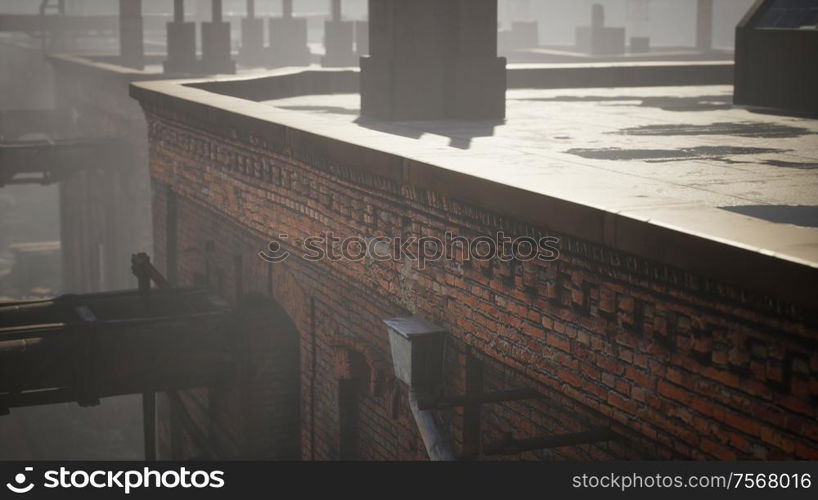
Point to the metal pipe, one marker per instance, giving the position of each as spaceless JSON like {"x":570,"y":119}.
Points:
{"x":437,"y":446}
{"x":73,"y":328}
{"x":251,"y":9}
{"x":287,"y":9}
{"x":27,"y":306}
{"x":19,"y":345}
{"x":36,"y":398}
{"x":477,"y":399}
{"x":33,"y":331}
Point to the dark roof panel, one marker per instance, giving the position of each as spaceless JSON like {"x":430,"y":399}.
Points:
{"x":788,"y":14}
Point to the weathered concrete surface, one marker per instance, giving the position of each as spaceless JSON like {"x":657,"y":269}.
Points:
{"x":679,"y":157}
{"x":289,"y":82}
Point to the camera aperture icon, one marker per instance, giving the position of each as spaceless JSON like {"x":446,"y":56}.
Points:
{"x":20,"y":479}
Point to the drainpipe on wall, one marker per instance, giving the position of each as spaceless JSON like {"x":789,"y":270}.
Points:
{"x":437,"y":445}
{"x":417,"y":355}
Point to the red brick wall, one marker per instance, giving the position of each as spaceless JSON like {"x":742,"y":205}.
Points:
{"x":679,"y":365}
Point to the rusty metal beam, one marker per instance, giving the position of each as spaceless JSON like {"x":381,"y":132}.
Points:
{"x":35,"y":398}
{"x":109,"y":344}
{"x":85,"y":347}
{"x":477,"y":399}
{"x":46,"y":330}
{"x":103,"y":363}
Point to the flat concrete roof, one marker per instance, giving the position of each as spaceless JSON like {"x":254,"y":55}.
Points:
{"x":677,"y":156}
{"x":673,"y":174}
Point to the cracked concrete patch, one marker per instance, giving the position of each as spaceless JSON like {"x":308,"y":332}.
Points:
{"x":659,"y":155}
{"x":741,"y":129}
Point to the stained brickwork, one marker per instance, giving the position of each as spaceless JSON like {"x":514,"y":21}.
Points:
{"x":679,"y":365}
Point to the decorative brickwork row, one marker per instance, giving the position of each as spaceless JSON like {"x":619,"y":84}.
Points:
{"x":678,"y":365}
{"x":254,"y":161}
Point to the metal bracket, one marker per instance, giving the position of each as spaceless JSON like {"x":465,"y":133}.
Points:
{"x":510,"y":446}
{"x":146,"y":273}
{"x":443,"y":402}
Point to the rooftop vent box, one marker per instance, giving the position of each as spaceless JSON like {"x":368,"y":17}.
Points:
{"x":417,"y":351}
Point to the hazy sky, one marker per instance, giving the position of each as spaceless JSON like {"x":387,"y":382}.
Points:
{"x":669,"y":22}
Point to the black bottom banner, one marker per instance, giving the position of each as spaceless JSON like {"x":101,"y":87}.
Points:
{"x":239,"y":480}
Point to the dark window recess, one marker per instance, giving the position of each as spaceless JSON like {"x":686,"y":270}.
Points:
{"x":348,"y":418}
